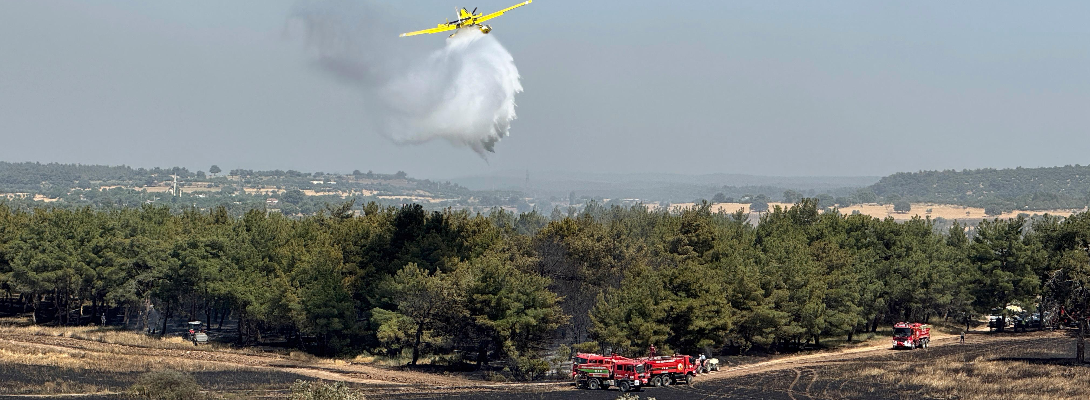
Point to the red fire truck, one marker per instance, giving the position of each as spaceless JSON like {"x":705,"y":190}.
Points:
{"x":911,"y":336}
{"x":595,"y":371}
{"x":666,"y":370}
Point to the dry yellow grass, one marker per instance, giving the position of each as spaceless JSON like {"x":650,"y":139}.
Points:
{"x":78,"y":359}
{"x":983,"y":378}
{"x":111,"y":336}
{"x":946,"y":211}
{"x":72,"y":365}
{"x":17,"y":326}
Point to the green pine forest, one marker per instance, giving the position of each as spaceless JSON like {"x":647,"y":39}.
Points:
{"x":995,"y":190}
{"x":500,"y":290}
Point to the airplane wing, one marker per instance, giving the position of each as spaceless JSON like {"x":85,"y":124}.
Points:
{"x":500,"y":12}
{"x":442,"y":28}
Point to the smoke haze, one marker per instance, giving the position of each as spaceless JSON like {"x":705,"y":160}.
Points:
{"x":463,"y":93}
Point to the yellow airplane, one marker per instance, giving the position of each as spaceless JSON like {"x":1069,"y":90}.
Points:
{"x":468,"y":18}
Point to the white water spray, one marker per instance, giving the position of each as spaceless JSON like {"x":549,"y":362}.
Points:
{"x":463,"y":93}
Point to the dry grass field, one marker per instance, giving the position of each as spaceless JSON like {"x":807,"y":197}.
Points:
{"x":64,"y":360}
{"x":1030,"y":365}
{"x":984,"y":377}
{"x":37,"y":360}
{"x":105,"y":363}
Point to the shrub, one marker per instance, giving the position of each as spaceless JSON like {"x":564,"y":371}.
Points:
{"x":563,"y":355}
{"x":993,"y":210}
{"x":531,"y":368}
{"x":166,"y":385}
{"x":303,"y":390}
{"x":902,"y":206}
{"x":493,"y":376}
{"x":758,"y":206}
{"x":300,"y":356}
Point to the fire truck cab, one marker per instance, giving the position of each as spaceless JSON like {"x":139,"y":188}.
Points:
{"x":911,"y":336}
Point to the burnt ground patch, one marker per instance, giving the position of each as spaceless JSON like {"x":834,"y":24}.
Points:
{"x":833,"y":377}
{"x":816,"y":382}
{"x":18,"y":379}
{"x":246,"y":380}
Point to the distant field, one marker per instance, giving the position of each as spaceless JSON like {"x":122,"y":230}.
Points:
{"x":946,"y":211}
{"x":36,"y":197}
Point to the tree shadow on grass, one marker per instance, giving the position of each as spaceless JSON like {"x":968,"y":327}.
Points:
{"x":1067,"y":361}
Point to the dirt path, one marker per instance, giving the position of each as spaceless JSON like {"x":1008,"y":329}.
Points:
{"x":825,"y":357}
{"x":860,"y":373}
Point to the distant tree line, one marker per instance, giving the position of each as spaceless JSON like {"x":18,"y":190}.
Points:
{"x":54,"y":178}
{"x":31,"y":177}
{"x":995,"y":190}
{"x":502,"y":289}
{"x":110,"y":187}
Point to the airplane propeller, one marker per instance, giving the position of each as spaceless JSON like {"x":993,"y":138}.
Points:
{"x":474,"y":10}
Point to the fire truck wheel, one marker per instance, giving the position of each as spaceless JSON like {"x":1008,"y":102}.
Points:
{"x":594,"y":384}
{"x":625,"y":386}
{"x":688,"y":379}
{"x":656,"y":381}
{"x":667,"y":380}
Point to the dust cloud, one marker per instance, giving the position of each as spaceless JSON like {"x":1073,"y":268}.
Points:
{"x":463,"y":93}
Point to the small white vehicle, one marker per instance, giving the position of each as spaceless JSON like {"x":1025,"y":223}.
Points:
{"x":711,"y":364}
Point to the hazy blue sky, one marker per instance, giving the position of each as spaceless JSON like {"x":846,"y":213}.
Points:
{"x":753,"y":87}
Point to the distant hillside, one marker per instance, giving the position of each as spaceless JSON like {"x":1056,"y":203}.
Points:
{"x":658,"y":187}
{"x":996,"y":190}
{"x":240,"y":190}
{"x":293,"y":192}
